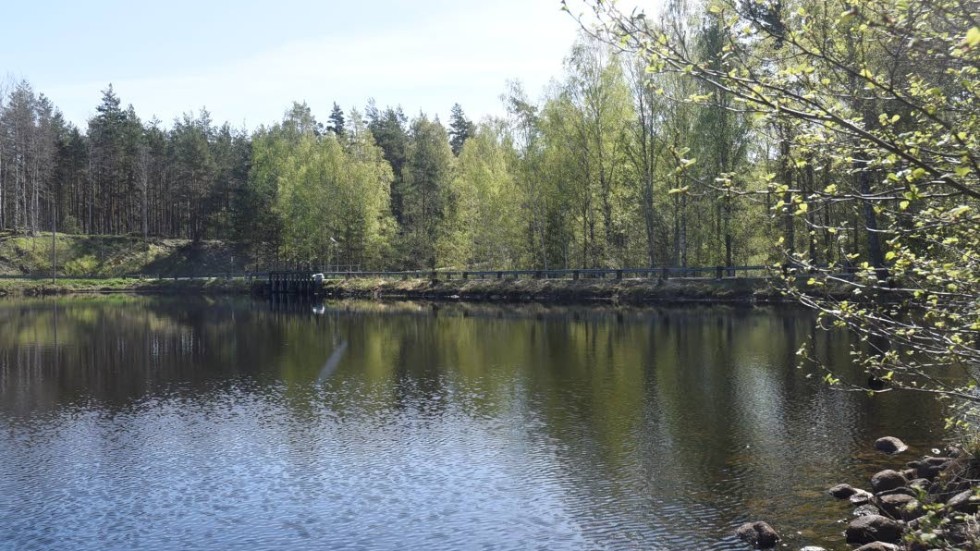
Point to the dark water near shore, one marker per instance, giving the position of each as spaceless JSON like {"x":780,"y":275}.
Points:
{"x":141,"y":423}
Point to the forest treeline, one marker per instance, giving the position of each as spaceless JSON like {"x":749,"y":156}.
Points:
{"x":612,"y":166}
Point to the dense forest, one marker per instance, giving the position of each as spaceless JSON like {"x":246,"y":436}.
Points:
{"x":579,"y":178}
{"x":615,"y":165}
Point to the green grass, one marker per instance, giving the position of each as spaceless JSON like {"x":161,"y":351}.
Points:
{"x":114,"y":256}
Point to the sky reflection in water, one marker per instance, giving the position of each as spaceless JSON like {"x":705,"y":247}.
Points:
{"x":219,"y":424}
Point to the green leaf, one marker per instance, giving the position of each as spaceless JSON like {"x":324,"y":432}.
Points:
{"x":973,"y":37}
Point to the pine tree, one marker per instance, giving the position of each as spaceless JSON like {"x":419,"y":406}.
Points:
{"x":426,"y":199}
{"x":336,"y":124}
{"x":460,"y":128}
{"x":388,"y":129}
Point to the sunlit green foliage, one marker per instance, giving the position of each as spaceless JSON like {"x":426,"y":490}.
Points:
{"x":487,"y":231}
{"x":428,"y":205}
{"x":585,"y":126}
{"x":872,"y":111}
{"x":330,"y":198}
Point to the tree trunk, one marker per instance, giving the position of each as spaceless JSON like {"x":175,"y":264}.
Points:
{"x":875,"y":255}
{"x":785,"y":175}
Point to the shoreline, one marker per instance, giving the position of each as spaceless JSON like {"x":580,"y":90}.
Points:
{"x":928,"y":503}
{"x":744,"y":291}
{"x":561,"y":291}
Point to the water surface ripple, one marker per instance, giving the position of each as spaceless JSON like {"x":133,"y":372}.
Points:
{"x":139,"y":423}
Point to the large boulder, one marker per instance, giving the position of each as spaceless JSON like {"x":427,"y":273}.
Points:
{"x":887,"y":479}
{"x":929,"y":467}
{"x":842,"y":491}
{"x":878,"y":546}
{"x":865,"y":510}
{"x":758,"y":534}
{"x":964,"y":502}
{"x":871,"y":528}
{"x":919,"y":484}
{"x":900,"y":505}
{"x":890,"y":444}
{"x":900,"y":490}
{"x":860,"y":497}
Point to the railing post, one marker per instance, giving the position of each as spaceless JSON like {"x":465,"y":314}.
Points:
{"x":719,"y":272}
{"x":466,"y":275}
{"x":619,"y":274}
{"x":575,"y":275}
{"x":500,"y":275}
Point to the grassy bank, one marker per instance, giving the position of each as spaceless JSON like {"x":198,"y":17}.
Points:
{"x":114,"y":256}
{"x":100,"y":264}
{"x":626,"y":291}
{"x":108,"y":264}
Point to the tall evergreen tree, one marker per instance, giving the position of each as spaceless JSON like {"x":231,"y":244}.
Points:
{"x":336,"y":124}
{"x":70,"y":176}
{"x":389,"y":130}
{"x":114,"y":135}
{"x":460,"y":129}
{"x":193,"y":161}
{"x":426,"y":199}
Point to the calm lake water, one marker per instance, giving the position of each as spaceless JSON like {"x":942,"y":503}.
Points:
{"x":149,"y":423}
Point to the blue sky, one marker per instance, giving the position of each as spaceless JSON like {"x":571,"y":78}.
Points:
{"x":247,"y":60}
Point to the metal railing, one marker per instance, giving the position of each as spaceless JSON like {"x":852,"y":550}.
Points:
{"x":714,"y":272}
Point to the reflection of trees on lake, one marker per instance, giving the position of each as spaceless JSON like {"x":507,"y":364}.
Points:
{"x":118,"y":349}
{"x":635,"y":403}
